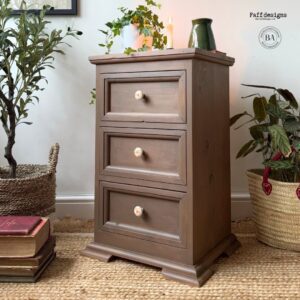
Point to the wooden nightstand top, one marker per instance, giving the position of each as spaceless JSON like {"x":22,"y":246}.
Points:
{"x":159,"y":55}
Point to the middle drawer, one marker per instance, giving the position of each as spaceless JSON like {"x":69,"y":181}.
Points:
{"x":155,"y":155}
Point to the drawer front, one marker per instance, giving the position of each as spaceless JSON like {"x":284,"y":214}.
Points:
{"x":156,"y":155}
{"x":144,"y":97}
{"x":144,"y":213}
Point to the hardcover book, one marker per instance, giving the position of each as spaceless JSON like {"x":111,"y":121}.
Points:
{"x":25,"y":245}
{"x":18,"y":225}
{"x":31,"y":278}
{"x":27,"y":264}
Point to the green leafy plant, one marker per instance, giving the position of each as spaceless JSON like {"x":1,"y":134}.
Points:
{"x":274,"y":128}
{"x":26,"y":51}
{"x":147,"y":22}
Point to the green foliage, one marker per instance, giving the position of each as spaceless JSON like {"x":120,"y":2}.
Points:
{"x":235,"y":118}
{"x":259,"y":108}
{"x":246,"y":149}
{"x":280,"y":140}
{"x":148,"y":24}
{"x":26,"y":51}
{"x":93,"y":96}
{"x":274,"y":128}
{"x":279,"y":165}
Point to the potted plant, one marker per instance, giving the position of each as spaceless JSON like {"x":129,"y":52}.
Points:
{"x":26,"y":51}
{"x":274,"y":128}
{"x":139,"y":28}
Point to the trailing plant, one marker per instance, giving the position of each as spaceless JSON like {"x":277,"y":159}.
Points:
{"x":26,"y":51}
{"x":148,"y":24}
{"x":274,"y":128}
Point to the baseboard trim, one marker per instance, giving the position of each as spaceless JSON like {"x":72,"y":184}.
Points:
{"x":83,"y":206}
{"x":240,"y":206}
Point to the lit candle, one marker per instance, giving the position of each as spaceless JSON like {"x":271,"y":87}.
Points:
{"x":170,"y":31}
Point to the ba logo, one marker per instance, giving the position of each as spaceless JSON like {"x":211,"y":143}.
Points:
{"x":270,"y":37}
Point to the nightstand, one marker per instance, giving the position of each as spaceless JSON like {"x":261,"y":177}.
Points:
{"x":162,"y":161}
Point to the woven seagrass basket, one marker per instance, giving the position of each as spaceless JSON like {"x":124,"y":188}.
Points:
{"x":277,"y":216}
{"x":33,"y":191}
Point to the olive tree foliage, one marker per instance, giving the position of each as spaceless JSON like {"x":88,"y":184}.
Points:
{"x":27,"y":49}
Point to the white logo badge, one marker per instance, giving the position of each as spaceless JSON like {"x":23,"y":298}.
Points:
{"x":270,"y":37}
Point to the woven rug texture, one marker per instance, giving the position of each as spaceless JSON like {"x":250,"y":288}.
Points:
{"x":255,"y":271}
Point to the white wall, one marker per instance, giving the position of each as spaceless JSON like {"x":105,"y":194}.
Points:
{"x":64,"y":114}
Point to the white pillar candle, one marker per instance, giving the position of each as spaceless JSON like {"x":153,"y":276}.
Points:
{"x":170,"y":32}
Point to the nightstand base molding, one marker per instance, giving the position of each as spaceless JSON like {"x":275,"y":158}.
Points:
{"x":194,"y":275}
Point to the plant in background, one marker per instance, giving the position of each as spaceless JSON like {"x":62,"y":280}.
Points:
{"x":275,"y":132}
{"x":26,"y":51}
{"x":147,"y":22}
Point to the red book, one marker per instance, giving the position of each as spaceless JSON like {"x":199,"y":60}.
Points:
{"x":25,"y":245}
{"x":18,"y":225}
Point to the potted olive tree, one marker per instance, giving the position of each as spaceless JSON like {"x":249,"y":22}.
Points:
{"x":26,"y":51}
{"x":274,"y":129}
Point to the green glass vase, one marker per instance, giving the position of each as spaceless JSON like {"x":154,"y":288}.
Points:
{"x":202,"y":35}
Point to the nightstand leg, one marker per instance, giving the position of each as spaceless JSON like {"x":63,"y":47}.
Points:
{"x":198,"y":274}
{"x":190,"y":278}
{"x":92,"y":252}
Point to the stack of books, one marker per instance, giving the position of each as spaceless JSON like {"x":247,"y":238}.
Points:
{"x":26,"y":248}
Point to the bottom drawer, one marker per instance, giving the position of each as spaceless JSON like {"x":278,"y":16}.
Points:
{"x":144,"y":213}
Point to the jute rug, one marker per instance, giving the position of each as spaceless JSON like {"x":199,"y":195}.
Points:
{"x":256,"y":271}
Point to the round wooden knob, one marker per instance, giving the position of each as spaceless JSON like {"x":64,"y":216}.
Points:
{"x":139,"y":95}
{"x":138,"y":152}
{"x":138,"y":211}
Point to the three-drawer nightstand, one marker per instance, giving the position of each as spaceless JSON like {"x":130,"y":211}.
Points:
{"x":162,"y":161}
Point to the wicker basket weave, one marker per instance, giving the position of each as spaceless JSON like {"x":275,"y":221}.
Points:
{"x":277,"y":216}
{"x":33,"y":191}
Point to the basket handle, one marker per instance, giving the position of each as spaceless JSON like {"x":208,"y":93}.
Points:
{"x":53,"y":158}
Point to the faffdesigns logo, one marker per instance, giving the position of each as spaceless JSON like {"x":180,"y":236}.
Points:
{"x":266,"y":16}
{"x":270,"y":37}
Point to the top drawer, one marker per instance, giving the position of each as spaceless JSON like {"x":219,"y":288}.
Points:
{"x":143,"y":97}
